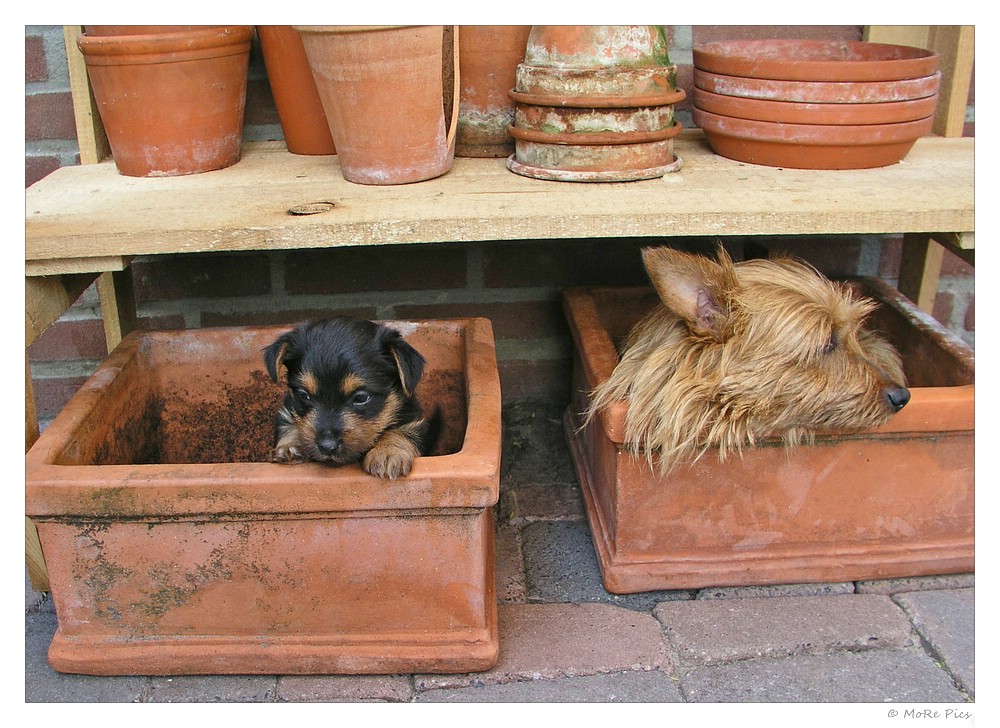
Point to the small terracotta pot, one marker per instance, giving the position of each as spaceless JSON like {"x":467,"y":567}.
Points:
{"x":488,"y":58}
{"x":820,"y":92}
{"x":810,"y":146}
{"x":792,"y":112}
{"x":172,"y":103}
{"x":105,"y":30}
{"x":300,"y":109}
{"x":815,"y":60}
{"x":384,"y":92}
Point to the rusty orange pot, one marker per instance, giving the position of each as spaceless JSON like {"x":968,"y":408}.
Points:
{"x":893,"y":502}
{"x":172,"y":103}
{"x":390,"y":94}
{"x":300,"y":109}
{"x":174,"y":547}
{"x":488,"y":57}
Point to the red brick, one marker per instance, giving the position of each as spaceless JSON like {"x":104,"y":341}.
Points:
{"x":203,"y":276}
{"x":51,"y":395}
{"x":70,"y":340}
{"x":954,"y":267}
{"x":382,"y":268}
{"x":832,"y":255}
{"x":970,"y":314}
{"x":521,"y":321}
{"x":944,"y":305}
{"x":709,"y":33}
{"x":539,"y":379}
{"x":35,"y":168}
{"x":35,"y":66}
{"x":272,"y":317}
{"x":565,"y":263}
{"x":49,"y":116}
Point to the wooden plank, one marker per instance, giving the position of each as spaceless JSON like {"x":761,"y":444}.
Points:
{"x":117,"y":295}
{"x":92,"y":211}
{"x":956,"y":44}
{"x":90,"y":133}
{"x":920,"y":268}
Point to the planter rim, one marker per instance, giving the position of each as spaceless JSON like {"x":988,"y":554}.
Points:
{"x":844,"y":92}
{"x":595,"y":138}
{"x":598,"y":102}
{"x":349,"y":28}
{"x":111,"y":46}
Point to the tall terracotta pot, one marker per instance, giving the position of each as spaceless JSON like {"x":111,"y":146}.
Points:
{"x":488,"y":59}
{"x":386,"y":92}
{"x":172,"y":103}
{"x":300,"y":109}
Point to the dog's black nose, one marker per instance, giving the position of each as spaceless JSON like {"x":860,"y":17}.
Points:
{"x":897,"y":397}
{"x":327,"y":442}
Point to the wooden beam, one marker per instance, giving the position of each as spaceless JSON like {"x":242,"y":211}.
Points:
{"x":920,"y":268}
{"x":90,"y":133}
{"x":46,"y":298}
{"x":117,"y":295}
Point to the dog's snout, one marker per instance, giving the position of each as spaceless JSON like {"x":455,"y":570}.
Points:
{"x":327,"y":442}
{"x":897,"y":397}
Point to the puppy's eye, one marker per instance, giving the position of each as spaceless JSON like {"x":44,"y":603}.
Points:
{"x":302,"y":394}
{"x":361,"y":398}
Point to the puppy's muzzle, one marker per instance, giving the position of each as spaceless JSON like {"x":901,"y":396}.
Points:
{"x":897,"y":397}
{"x":328,"y":442}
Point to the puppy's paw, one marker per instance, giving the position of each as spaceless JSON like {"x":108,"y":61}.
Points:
{"x":288,"y":455}
{"x":392,"y":456}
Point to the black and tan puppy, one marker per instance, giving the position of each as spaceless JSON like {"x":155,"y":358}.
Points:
{"x":351,"y":396}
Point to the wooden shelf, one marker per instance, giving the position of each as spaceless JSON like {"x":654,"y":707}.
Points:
{"x":90,"y":218}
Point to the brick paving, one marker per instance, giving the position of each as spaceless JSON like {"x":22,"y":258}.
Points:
{"x":564,"y":639}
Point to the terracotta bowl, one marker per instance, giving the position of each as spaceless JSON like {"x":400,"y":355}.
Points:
{"x":792,"y":112}
{"x":810,"y":146}
{"x":815,"y":60}
{"x":831,"y":92}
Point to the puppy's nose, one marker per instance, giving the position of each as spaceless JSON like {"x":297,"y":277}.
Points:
{"x":327,"y":442}
{"x":897,"y":397}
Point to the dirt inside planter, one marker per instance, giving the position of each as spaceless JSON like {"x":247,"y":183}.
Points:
{"x":181,"y":409}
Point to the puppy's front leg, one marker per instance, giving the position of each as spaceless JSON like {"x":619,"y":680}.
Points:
{"x":288,"y":449}
{"x":394,"y":451}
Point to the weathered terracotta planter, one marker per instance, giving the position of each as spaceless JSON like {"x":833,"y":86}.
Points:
{"x":174,"y":547}
{"x":390,"y":94}
{"x":815,"y":60}
{"x":172,"y":103}
{"x":300,"y":109}
{"x":488,"y":58}
{"x":818,"y":92}
{"x":810,"y":146}
{"x":893,"y":502}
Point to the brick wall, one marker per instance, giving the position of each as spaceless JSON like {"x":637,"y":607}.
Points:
{"x":515,"y":284}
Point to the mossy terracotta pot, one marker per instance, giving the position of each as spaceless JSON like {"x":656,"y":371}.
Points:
{"x":174,"y":547}
{"x":390,"y":94}
{"x":488,"y":57}
{"x":172,"y":103}
{"x":893,"y":502}
{"x":300,"y":109}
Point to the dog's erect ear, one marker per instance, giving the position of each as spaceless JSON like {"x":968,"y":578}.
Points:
{"x":692,"y":286}
{"x":409,"y":361}
{"x":278,"y":353}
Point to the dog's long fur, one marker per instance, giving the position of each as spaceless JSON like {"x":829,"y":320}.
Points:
{"x":741,"y":352}
{"x":351,"y":397}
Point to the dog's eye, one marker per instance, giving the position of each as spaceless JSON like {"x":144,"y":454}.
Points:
{"x":302,"y":394}
{"x":361,"y":398}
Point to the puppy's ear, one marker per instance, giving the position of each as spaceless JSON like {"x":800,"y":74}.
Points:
{"x":695,"y":288}
{"x":409,"y":362}
{"x":279,"y":352}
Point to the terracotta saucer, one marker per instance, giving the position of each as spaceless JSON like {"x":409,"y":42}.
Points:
{"x":818,"y":91}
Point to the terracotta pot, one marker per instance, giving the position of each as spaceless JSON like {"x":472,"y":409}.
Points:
{"x":819,"y":92}
{"x":488,"y":57}
{"x":104,"y":30}
{"x":174,"y":547}
{"x":893,"y":502}
{"x":791,"y":112}
{"x":810,"y":146}
{"x":300,"y":109}
{"x":815,"y":60}
{"x":385,"y":93}
{"x":172,"y":103}
{"x":595,"y":104}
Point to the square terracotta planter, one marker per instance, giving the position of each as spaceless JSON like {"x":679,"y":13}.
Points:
{"x":892,"y":502}
{"x":174,"y":547}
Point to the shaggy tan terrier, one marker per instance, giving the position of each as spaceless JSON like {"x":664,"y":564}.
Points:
{"x":741,"y":352}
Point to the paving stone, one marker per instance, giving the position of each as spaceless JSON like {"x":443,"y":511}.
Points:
{"x":561,"y":566}
{"x":534,"y":447}
{"x":904,"y":675}
{"x":42,"y":684}
{"x":946,"y":621}
{"x":916,"y":583}
{"x":212,"y":689}
{"x":541,"y":641}
{"x":776,"y":590}
{"x":625,"y":687}
{"x":344,"y":688}
{"x":707,"y":631}
{"x":546,"y":502}
{"x":509,"y":566}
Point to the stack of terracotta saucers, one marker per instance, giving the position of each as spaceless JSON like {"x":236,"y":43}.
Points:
{"x":814,"y":104}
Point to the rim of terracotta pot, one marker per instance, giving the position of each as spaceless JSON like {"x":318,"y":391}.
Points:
{"x":834,"y":92}
{"x":133,"y":30}
{"x":346,"y":28}
{"x":595,"y":138}
{"x":813,"y":134}
{"x":598,"y":102}
{"x":815,"y":60}
{"x":114,"y":49}
{"x":793,"y":112}
{"x":576,"y":175}
{"x":594,"y":46}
